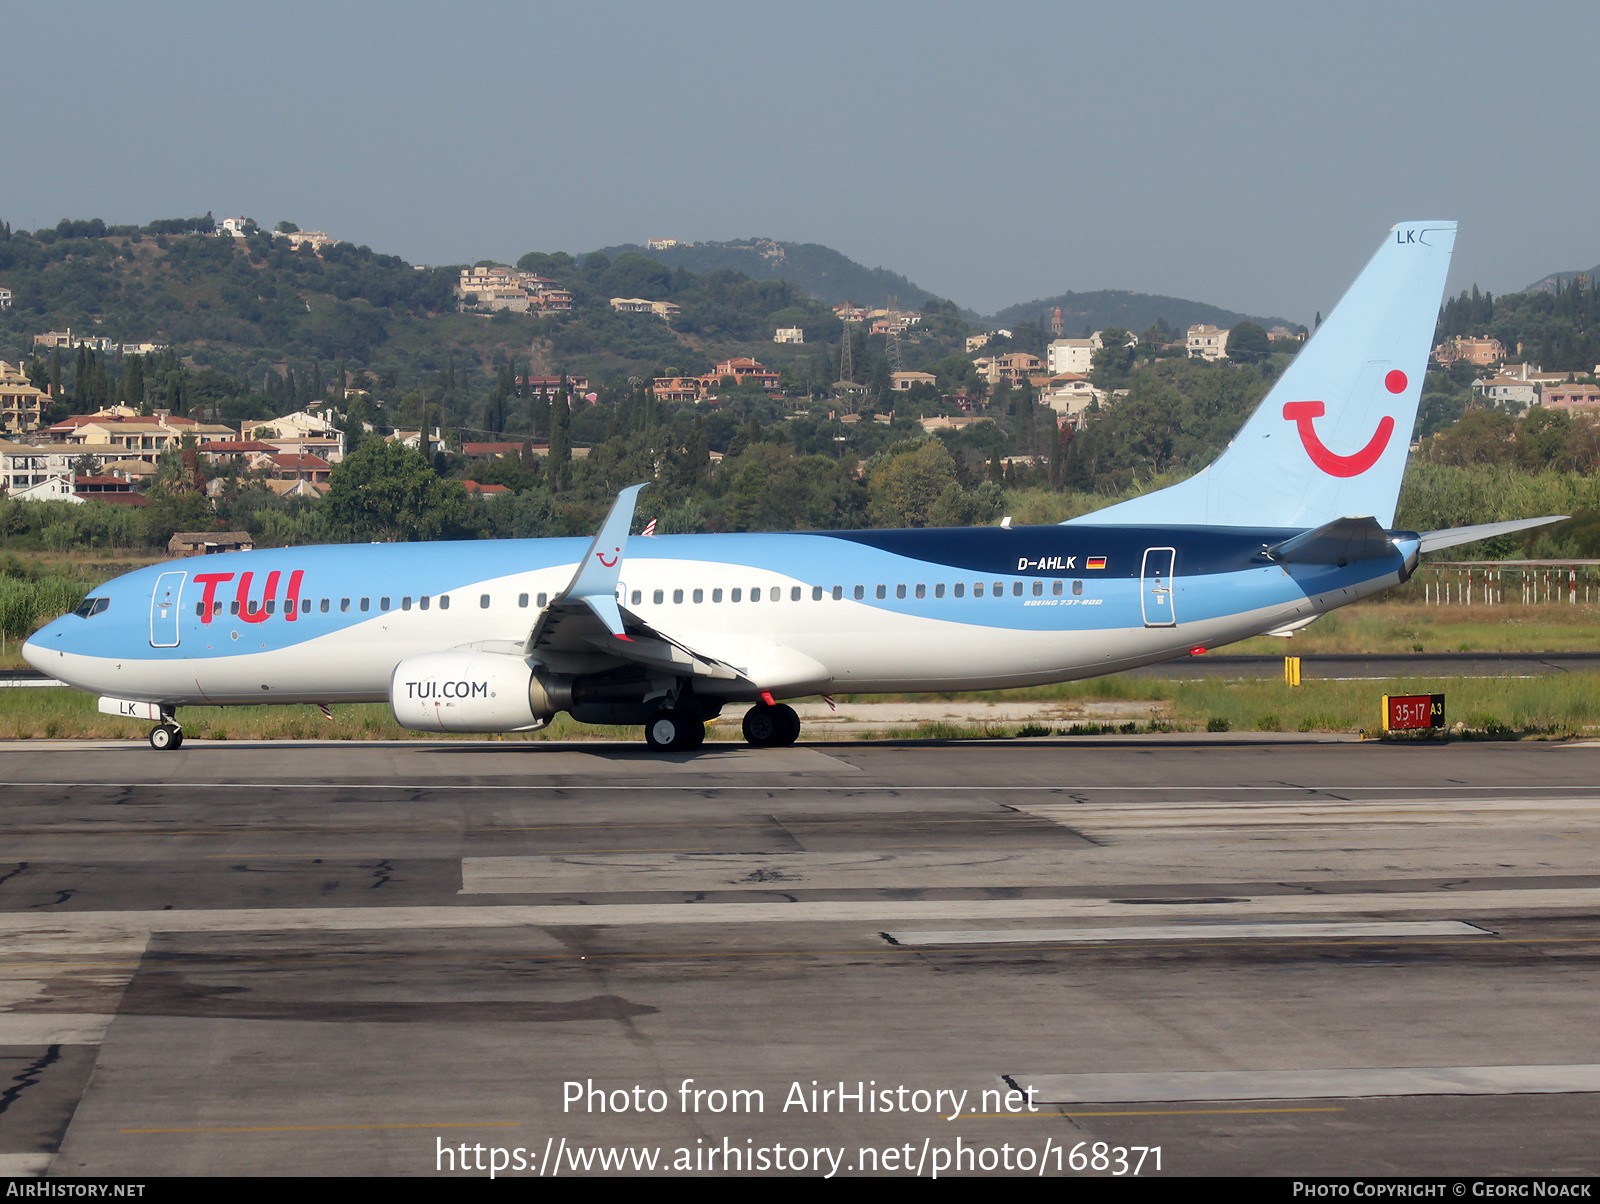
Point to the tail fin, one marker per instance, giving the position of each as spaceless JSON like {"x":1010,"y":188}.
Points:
{"x":1331,"y":438}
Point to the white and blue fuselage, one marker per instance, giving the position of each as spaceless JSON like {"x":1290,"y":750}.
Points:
{"x":918,"y":610}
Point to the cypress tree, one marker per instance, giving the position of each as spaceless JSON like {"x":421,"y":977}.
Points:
{"x":560,"y":436}
{"x":55,"y":374}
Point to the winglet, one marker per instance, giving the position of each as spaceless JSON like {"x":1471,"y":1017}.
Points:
{"x":595,"y":582}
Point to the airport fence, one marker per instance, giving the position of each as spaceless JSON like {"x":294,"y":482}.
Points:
{"x":1506,"y":582}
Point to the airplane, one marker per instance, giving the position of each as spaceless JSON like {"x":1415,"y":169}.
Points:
{"x":1292,"y":520}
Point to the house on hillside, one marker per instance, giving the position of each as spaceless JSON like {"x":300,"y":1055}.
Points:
{"x":208,"y":543}
{"x":21,"y":405}
{"x":1207,"y":343}
{"x":1481,"y":352}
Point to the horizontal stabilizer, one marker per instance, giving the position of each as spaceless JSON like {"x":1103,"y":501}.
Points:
{"x":1452,"y":537}
{"x":1343,"y":541}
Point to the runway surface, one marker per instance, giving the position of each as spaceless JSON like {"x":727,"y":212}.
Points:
{"x":1238,"y":956}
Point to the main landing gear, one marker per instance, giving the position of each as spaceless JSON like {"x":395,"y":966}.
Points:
{"x":771,"y":726}
{"x":675,"y":730}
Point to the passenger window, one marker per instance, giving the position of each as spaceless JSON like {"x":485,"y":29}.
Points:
{"x":899,"y":591}
{"x":233,"y":607}
{"x":344,"y":605}
{"x":716,"y":595}
{"x":677,"y":597}
{"x":699,"y":595}
{"x":444,"y":601}
{"x":922,"y":591}
{"x":861,"y":592}
{"x":883,"y":591}
{"x":776,"y":594}
{"x":938,"y":590}
{"x":658,"y":597}
{"x":383,"y":603}
{"x":838,"y":592}
{"x":325,"y":606}
{"x":405,"y":603}
{"x":199,"y":610}
{"x":755,"y":594}
{"x":1038,"y":588}
{"x":999,"y":589}
{"x":960,"y":588}
{"x":1055,"y":588}
{"x":423,"y":601}
{"x":544,"y":600}
{"x":522,"y":600}
{"x":216,"y":608}
{"x":816,"y":593}
{"x":977,"y":589}
{"x":1077,"y":588}
{"x":366,"y":604}
{"x":735,"y":595}
{"x":794,"y":594}
{"x":272,"y":606}
{"x":305,"y":606}
{"x":1016,"y":589}
{"x":483,"y":601}
{"x":638,"y":597}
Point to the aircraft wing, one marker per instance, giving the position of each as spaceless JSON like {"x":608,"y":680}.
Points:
{"x":586,"y":620}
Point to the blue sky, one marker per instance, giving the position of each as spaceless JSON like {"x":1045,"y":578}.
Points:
{"x":1246,"y":154}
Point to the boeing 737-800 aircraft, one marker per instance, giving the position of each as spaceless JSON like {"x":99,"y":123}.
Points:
{"x":1291,"y":521}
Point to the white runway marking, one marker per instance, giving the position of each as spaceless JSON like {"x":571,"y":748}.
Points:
{"x":605,"y":872}
{"x":1291,"y":813}
{"x":48,"y":933}
{"x":1298,"y":792}
{"x":24,"y":1166}
{"x":1185,"y":932}
{"x":1187,"y":1086}
{"x":53,"y":1028}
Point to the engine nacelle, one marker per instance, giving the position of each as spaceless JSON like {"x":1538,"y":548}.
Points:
{"x":462,"y":691}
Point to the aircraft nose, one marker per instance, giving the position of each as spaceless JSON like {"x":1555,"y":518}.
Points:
{"x":48,"y":639}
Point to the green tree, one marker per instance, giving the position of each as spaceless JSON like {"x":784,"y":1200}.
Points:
{"x":906,"y":486}
{"x":386,"y":491}
{"x":1248,"y":343}
{"x":561,"y":437}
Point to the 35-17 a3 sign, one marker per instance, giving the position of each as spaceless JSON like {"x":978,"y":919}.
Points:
{"x":1412,"y":712}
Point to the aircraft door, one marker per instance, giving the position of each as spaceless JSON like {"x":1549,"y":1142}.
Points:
{"x":164,"y":610}
{"x":1156,"y":594}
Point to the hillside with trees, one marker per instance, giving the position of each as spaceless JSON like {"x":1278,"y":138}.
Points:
{"x":818,"y":271}
{"x":1082,"y":312}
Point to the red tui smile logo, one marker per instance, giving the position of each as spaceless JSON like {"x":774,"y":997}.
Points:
{"x":610,"y":564}
{"x":1304,"y":414}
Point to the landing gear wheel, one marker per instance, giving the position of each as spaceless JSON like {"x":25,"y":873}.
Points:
{"x":165,"y":737}
{"x":771,"y":726}
{"x":674,"y":731}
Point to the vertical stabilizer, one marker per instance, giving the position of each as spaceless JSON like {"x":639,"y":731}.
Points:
{"x":1331,"y":437}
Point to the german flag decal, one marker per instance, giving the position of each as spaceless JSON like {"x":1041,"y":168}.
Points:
{"x":1095,"y":562}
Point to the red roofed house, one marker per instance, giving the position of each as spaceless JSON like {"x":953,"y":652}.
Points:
{"x":478,"y":490}
{"x":298,"y":468}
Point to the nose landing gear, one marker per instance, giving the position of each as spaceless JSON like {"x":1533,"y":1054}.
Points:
{"x":166,"y":735}
{"x":771,"y":726}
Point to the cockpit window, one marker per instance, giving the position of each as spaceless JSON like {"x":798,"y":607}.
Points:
{"x":92,"y":606}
